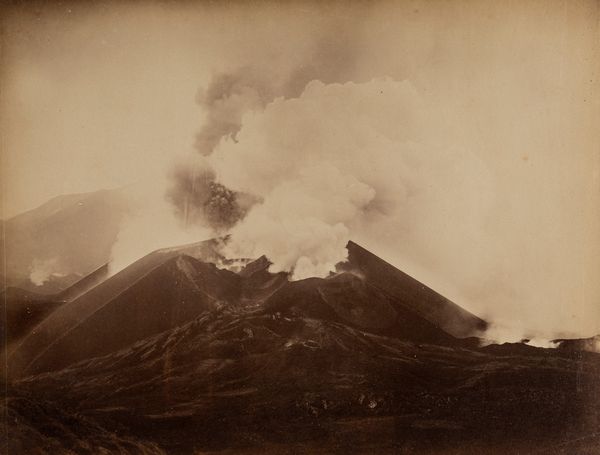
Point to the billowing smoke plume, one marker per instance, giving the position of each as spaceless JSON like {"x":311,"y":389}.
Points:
{"x":461,"y":175}
{"x":225,"y":101}
{"x":347,"y":161}
{"x":372,"y":161}
{"x":195,"y":205}
{"x":323,"y":153}
{"x":198,"y":198}
{"x":330,"y":58}
{"x":478,"y":176}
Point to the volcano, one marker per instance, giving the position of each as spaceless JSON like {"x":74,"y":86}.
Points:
{"x":124,"y":308}
{"x":175,"y":354}
{"x":170,"y":287}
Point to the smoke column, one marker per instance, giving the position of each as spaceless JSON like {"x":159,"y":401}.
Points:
{"x":321,"y":149}
{"x":197,"y":197}
{"x":346,"y":161}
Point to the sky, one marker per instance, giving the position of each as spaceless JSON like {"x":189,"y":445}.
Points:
{"x":486,"y":182}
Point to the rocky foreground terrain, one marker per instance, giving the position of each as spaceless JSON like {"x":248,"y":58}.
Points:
{"x":175,"y":355}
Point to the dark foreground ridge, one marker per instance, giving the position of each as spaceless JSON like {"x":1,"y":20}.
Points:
{"x":174,"y":355}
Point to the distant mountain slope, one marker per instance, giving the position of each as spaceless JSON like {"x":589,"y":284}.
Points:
{"x":68,"y":236}
{"x":53,"y":285}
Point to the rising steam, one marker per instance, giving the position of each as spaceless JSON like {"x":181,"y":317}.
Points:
{"x":231,"y":95}
{"x":41,"y":270}
{"x":342,"y":161}
{"x":198,"y":204}
{"x":151,"y":224}
{"x":455,"y":174}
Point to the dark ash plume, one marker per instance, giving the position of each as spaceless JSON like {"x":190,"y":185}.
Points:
{"x":225,"y":101}
{"x":199,"y":199}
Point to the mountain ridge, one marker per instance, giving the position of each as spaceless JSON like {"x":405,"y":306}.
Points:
{"x":73,"y":331}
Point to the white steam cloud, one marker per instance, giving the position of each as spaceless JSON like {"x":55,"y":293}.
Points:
{"x":515,"y":331}
{"x":41,"y":270}
{"x":477,"y":175}
{"x":346,"y":161}
{"x":150,"y":225}
{"x":302,"y":225}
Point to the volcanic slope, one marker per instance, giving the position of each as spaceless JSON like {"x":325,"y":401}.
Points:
{"x":168,"y":288}
{"x":163,"y":289}
{"x":23,"y":310}
{"x":190,"y":358}
{"x":407,"y":291}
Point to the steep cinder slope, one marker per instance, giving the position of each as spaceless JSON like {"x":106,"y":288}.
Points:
{"x":86,"y":283}
{"x":169,"y":296}
{"x":150,"y":281}
{"x":168,"y":288}
{"x":353,"y":301}
{"x":412,"y":294}
{"x":258,"y":284}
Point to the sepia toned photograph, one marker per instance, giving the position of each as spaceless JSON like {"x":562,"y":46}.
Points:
{"x":300,"y":227}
